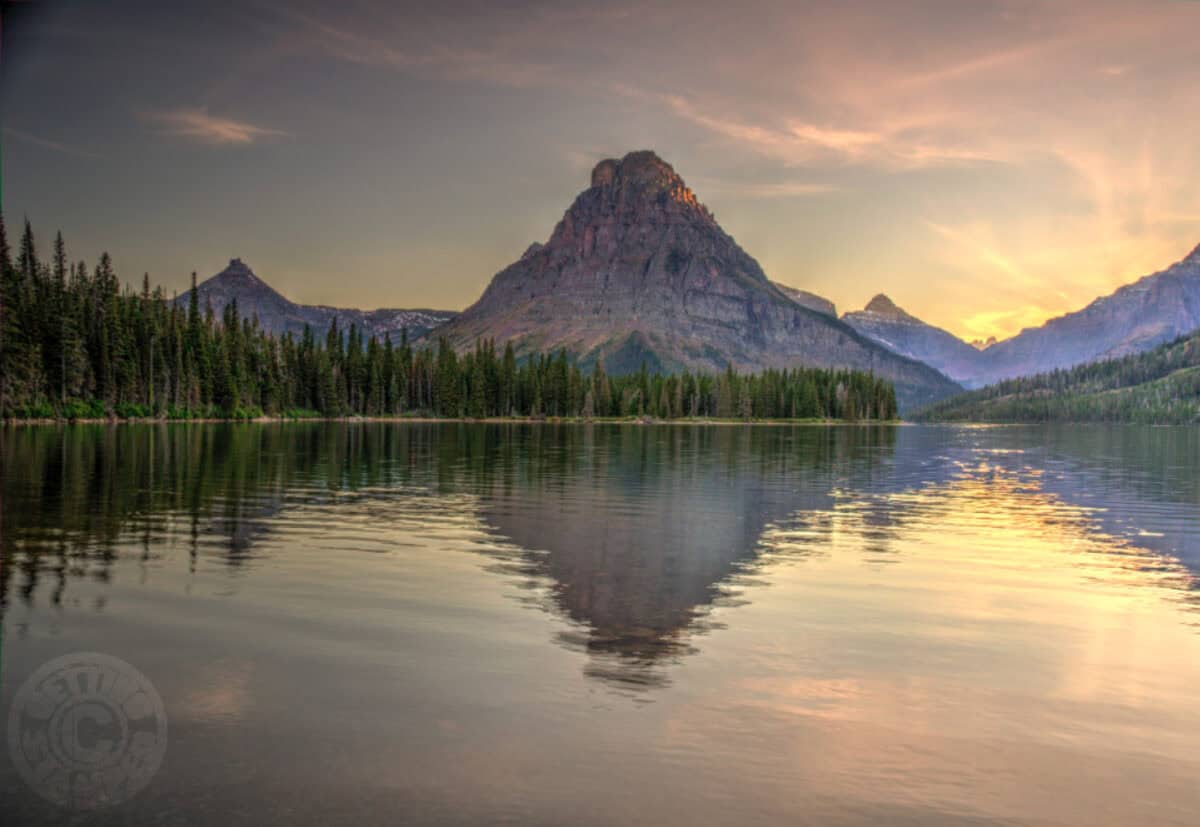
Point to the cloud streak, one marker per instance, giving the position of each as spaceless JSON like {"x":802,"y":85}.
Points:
{"x":45,"y":143}
{"x":196,"y":124}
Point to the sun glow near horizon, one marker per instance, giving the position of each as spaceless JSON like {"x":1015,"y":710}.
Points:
{"x":987,"y":165}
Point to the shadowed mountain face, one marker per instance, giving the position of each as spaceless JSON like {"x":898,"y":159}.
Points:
{"x":810,"y":300}
{"x":638,"y":270}
{"x":279,"y":315}
{"x":1137,"y":317}
{"x":885,"y":323}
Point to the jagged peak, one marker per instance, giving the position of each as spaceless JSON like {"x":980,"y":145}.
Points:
{"x":643,"y":174}
{"x":239,"y":270}
{"x":642,"y":165}
{"x":884,"y":306}
{"x":237,"y":267}
{"x":1194,"y":256}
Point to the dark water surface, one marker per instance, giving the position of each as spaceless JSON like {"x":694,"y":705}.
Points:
{"x":548,"y":625}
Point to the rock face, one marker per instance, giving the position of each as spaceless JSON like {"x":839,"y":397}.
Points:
{"x":810,"y":300}
{"x":279,"y":315}
{"x":885,"y":323}
{"x":638,"y":270}
{"x":1155,"y":309}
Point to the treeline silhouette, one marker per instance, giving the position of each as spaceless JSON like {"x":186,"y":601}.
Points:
{"x":1160,"y":387}
{"x":75,"y":345}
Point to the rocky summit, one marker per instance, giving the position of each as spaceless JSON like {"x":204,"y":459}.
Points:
{"x":886,"y":323}
{"x":639,"y":271}
{"x":257,"y":299}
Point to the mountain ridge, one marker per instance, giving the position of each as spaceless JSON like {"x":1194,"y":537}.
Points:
{"x":280,"y":315}
{"x":1159,"y":386}
{"x":885,"y":322}
{"x":1135,"y":317}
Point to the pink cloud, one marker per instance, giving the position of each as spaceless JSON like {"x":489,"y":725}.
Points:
{"x":198,"y":125}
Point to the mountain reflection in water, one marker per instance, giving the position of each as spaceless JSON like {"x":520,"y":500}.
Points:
{"x":636,"y":530}
{"x":949,"y":617}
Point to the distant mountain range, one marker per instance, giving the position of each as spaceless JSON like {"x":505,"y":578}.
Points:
{"x":1155,"y":309}
{"x":1160,"y":386}
{"x":639,"y":271}
{"x":280,"y":315}
{"x":893,"y":328}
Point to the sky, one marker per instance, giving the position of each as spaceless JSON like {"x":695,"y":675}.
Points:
{"x":988,"y":164}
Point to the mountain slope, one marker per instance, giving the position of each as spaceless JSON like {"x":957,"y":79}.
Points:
{"x":1160,"y":386}
{"x":884,"y":322}
{"x":279,"y":315}
{"x":810,"y":300}
{"x":638,"y":270}
{"x":1152,"y":310}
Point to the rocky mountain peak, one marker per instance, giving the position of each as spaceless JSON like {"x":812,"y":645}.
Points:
{"x":883,"y":306}
{"x":637,"y":208}
{"x":641,"y":177}
{"x":278,"y":314}
{"x":886,"y":323}
{"x":238,"y":271}
{"x":638,"y":272}
{"x":640,"y":167}
{"x":1194,"y":256}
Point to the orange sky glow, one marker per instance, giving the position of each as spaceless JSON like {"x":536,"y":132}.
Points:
{"x":987,"y":163}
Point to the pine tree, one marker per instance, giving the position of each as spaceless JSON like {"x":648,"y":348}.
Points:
{"x":478,"y":386}
{"x":71,"y":341}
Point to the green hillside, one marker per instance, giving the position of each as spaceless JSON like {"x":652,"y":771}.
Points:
{"x":1159,"y":387}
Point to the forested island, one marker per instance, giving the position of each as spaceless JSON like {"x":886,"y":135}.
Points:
{"x":76,"y":345}
{"x":1157,"y":387}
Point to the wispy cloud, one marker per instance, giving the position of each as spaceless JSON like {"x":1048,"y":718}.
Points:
{"x":764,"y":190}
{"x":198,"y":125}
{"x":65,"y":149}
{"x":503,"y":61}
{"x":797,"y":142}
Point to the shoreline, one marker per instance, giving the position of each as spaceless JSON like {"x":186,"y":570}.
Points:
{"x":491,"y":420}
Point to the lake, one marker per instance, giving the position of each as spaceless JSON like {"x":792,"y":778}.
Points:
{"x":447,"y":623}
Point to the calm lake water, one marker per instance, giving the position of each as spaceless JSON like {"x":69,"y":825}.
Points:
{"x":548,"y":625}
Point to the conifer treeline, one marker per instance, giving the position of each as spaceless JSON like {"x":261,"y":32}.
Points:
{"x":73,"y":344}
{"x":1157,"y":387}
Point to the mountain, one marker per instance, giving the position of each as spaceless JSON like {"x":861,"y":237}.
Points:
{"x":638,"y":271}
{"x":884,"y":322}
{"x":279,"y":315}
{"x":1155,"y":309}
{"x":810,"y":300}
{"x":1160,"y":386}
